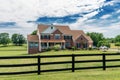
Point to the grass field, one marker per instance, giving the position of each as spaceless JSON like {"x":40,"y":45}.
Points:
{"x":97,"y":74}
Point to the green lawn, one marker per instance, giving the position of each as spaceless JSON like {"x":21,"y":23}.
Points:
{"x":112,"y":45}
{"x":97,"y":74}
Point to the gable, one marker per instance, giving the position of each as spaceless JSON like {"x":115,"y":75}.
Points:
{"x":49,"y":30}
{"x":64,"y":29}
{"x":81,"y":38}
{"x":42,"y":27}
{"x":57,"y":32}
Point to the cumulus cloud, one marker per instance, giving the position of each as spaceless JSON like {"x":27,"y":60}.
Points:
{"x":21,"y":11}
{"x":105,"y":16}
{"x":60,"y":8}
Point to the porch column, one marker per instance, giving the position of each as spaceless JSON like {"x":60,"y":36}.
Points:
{"x":64,"y":45}
{"x":61,"y":45}
{"x":47,"y":44}
{"x":40,"y":47}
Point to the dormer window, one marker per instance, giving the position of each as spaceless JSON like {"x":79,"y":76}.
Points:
{"x":51,"y":27}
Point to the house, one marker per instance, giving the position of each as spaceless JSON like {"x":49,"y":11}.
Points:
{"x":50,"y":35}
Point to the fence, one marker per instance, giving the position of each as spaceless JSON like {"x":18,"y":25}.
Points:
{"x":39,"y":63}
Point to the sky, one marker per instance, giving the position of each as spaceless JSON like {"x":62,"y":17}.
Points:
{"x":23,"y":16}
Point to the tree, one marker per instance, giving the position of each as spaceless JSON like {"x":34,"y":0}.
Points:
{"x":18,"y":39}
{"x":34,"y":32}
{"x":21,"y":39}
{"x":96,"y":37}
{"x":4,"y":39}
{"x":118,"y":44}
{"x":15,"y":39}
{"x":103,"y":43}
{"x":117,"y":38}
{"x":111,"y":40}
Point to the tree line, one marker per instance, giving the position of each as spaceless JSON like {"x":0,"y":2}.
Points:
{"x":100,"y":40}
{"x":16,"y":39}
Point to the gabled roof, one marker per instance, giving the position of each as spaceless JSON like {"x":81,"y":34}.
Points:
{"x":49,"y":30}
{"x":76,"y":33}
{"x":42,"y":27}
{"x":32,"y":38}
{"x":57,"y":31}
{"x":89,"y":39}
{"x":63,"y":29}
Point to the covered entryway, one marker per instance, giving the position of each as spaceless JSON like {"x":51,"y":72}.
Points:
{"x":51,"y":43}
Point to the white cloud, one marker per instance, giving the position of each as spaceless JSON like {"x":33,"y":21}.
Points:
{"x":118,"y":11}
{"x":66,"y":7}
{"x":111,"y":3}
{"x":106,"y":16}
{"x":79,"y":24}
{"x":18,"y":10}
{"x":21,"y":11}
{"x":118,"y":17}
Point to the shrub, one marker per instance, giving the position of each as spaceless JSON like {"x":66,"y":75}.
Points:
{"x":90,"y":48}
{"x":56,"y":47}
{"x":48,"y":49}
{"x":74,"y":48}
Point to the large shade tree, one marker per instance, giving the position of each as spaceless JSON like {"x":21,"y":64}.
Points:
{"x":18,"y":39}
{"x":117,"y":38}
{"x":4,"y":39}
{"x":96,"y":37}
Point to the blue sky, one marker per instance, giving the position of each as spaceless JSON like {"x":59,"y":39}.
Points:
{"x":22,"y":16}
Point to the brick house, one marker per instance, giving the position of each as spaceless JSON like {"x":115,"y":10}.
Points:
{"x":50,"y":35}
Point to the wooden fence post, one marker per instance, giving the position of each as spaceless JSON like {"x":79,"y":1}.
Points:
{"x":104,"y":61}
{"x":73,"y":63}
{"x":38,"y":64}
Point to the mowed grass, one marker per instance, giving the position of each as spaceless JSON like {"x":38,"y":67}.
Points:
{"x":92,"y":74}
{"x":112,"y":45}
{"x":12,"y":50}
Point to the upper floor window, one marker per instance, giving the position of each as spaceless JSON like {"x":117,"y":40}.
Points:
{"x":45,"y":36}
{"x":57,"y":36}
{"x":68,"y":37}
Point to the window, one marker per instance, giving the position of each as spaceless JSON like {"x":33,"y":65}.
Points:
{"x":51,"y":27}
{"x":85,"y":45}
{"x":36,"y":44}
{"x":33,"y":44}
{"x":68,"y":37}
{"x":78,"y":45}
{"x":57,"y":36}
{"x":67,"y":44}
{"x":45,"y":36}
{"x":44,"y":45}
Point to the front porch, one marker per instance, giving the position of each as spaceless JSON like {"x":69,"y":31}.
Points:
{"x":45,"y":44}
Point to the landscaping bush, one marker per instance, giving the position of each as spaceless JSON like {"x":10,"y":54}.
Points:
{"x":56,"y":47}
{"x":74,"y":48}
{"x":90,"y":48}
{"x":48,"y":49}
